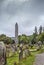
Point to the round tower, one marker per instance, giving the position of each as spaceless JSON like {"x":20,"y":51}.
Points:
{"x":16,"y":33}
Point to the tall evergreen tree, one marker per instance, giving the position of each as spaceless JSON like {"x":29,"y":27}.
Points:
{"x":35,"y":30}
{"x":40,"y":30}
{"x":43,"y":29}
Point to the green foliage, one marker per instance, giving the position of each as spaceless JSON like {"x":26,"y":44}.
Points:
{"x":27,"y":39}
{"x":23,"y":39}
{"x":35,"y":30}
{"x":41,"y":37}
{"x":11,"y":60}
{"x":40,"y":30}
{"x":34,"y":39}
{"x":5,"y":39}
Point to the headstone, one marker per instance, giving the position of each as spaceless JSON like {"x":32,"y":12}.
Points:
{"x":13,"y":48}
{"x":30,"y":44}
{"x":8,"y":47}
{"x":20,"y":54}
{"x":39,"y":45}
{"x":2,"y":54}
{"x":26,"y":53}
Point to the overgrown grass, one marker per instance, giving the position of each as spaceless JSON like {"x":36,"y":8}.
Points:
{"x":28,"y":61}
{"x":12,"y":59}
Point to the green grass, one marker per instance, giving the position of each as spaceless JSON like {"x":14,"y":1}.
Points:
{"x":28,"y":61}
{"x":12,"y":59}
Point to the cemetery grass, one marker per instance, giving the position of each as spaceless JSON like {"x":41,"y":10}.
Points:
{"x":28,"y":61}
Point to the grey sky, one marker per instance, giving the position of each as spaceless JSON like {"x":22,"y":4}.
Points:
{"x":28,"y":14}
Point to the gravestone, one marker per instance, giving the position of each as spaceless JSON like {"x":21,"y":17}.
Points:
{"x":30,"y":44}
{"x":26,"y":53}
{"x":8,"y":48}
{"x":20,"y":54}
{"x":39,"y":45}
{"x":2,"y":54}
{"x":13,"y":48}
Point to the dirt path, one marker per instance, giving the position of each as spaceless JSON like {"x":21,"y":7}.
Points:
{"x":39,"y":59}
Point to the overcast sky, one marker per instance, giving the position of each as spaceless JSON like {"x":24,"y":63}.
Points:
{"x":27,"y":13}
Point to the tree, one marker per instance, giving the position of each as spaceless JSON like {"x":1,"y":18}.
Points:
{"x":41,"y":37}
{"x":35,"y":30}
{"x":23,"y":39}
{"x":8,"y":40}
{"x":34,"y":39}
{"x":5,"y":39}
{"x":43,"y":29}
{"x":40,"y":30}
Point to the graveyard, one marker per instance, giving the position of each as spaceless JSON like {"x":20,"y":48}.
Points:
{"x":21,"y":50}
{"x":21,"y":32}
{"x":29,"y":60}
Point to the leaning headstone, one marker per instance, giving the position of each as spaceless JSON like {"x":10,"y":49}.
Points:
{"x":2,"y":54}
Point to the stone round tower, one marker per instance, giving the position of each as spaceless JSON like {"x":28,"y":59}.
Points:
{"x":16,"y":33}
